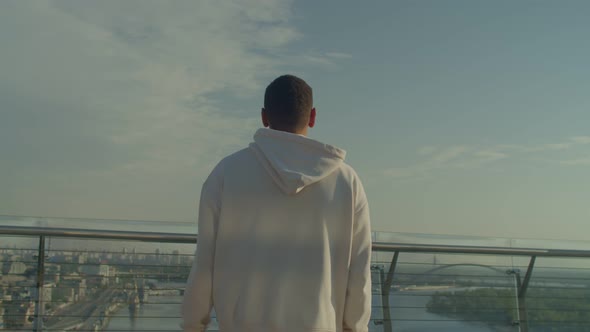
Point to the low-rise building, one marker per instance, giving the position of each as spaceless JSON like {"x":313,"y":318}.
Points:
{"x":18,"y":312}
{"x":14,"y":266}
{"x":70,"y":289}
{"x":2,"y":326}
{"x":46,"y":292}
{"x":98,"y":274}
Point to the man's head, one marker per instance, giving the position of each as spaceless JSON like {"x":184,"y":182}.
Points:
{"x":288,"y":105}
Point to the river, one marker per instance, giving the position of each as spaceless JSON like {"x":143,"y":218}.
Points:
{"x":408,"y":315}
{"x":161,"y":313}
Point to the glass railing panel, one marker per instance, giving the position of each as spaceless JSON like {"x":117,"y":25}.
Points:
{"x":18,"y":272}
{"x":558,"y":296}
{"x":102,"y":285}
{"x":446,"y":292}
{"x":377,"y":317}
{"x":439,"y":239}
{"x":113,"y":285}
{"x":106,"y":224}
{"x":550,"y":244}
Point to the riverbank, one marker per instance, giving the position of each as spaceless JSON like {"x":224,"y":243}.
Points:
{"x":408,"y":312}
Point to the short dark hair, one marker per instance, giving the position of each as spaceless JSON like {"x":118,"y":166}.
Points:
{"x":288,"y":101}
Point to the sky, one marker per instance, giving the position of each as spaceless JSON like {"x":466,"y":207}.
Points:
{"x":462,"y":117}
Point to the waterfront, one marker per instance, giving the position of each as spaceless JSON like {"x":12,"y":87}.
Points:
{"x":408,"y":313}
{"x":162,"y":313}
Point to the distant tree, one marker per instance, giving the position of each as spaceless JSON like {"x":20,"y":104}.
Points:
{"x":549,"y":310}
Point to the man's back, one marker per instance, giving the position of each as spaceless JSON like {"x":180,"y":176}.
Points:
{"x":284,"y":241}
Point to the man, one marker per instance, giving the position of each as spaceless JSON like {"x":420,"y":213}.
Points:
{"x":284,"y":240}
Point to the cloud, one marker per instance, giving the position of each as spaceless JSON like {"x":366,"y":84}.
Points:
{"x":581,"y":139}
{"x":437,"y":159}
{"x":557,"y":146}
{"x":426,"y":150}
{"x":465,"y":157}
{"x":490,"y":155}
{"x":480,"y":158}
{"x":339,"y":55}
{"x":576,"y":162}
{"x":326,"y":59}
{"x":447,"y":155}
{"x":564,"y":145}
{"x":106,"y":91}
{"x":145,"y":69}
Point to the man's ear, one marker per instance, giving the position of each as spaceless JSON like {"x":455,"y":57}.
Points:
{"x":312,"y":116}
{"x":264,"y":118}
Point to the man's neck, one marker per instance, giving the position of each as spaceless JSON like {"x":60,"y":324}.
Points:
{"x":302,"y":132}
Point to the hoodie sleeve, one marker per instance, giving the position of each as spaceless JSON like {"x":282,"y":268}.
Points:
{"x":198,"y":296}
{"x":357,"y":309}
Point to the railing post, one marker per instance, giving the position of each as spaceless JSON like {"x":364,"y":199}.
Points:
{"x":516,"y":274}
{"x":385,"y":290}
{"x":521,"y":288}
{"x":389,"y":280}
{"x":527,"y":278}
{"x":39,"y":305}
{"x":524,"y":318}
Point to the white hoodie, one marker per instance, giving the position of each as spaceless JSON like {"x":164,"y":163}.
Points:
{"x":284,"y":241}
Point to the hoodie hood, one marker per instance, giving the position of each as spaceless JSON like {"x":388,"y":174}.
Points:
{"x":295,"y":161}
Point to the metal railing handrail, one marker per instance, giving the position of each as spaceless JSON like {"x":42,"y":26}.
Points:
{"x":377,"y":246}
{"x":98,"y":234}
